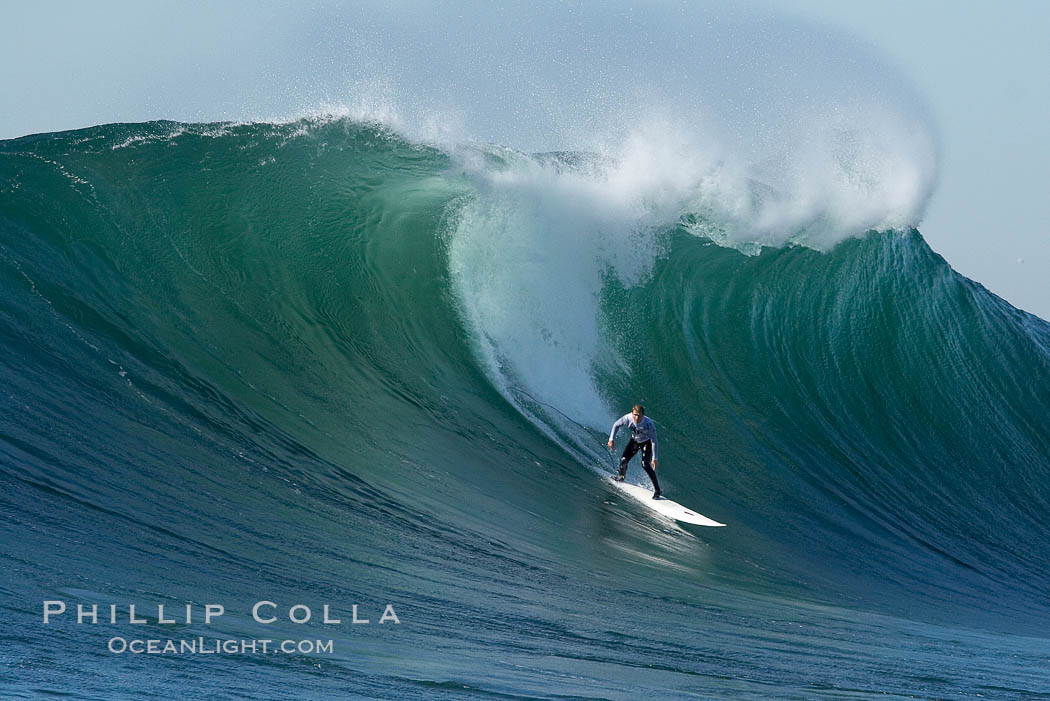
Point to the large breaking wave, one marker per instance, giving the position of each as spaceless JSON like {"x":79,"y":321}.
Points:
{"x":373,"y":354}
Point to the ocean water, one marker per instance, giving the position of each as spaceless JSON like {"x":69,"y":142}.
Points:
{"x":325,"y":362}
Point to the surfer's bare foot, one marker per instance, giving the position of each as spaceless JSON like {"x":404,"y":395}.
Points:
{"x":658,"y":495}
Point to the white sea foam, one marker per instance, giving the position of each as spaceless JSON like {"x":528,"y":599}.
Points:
{"x":528,"y":253}
{"x":530,"y":250}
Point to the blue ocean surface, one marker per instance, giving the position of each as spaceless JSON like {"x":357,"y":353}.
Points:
{"x":319,"y":362}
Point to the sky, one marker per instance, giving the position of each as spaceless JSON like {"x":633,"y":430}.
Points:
{"x":983,"y":68}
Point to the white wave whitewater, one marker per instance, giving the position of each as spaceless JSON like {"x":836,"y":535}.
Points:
{"x":751,"y":130}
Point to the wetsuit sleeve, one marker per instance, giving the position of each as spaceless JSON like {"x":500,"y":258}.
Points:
{"x":617,"y":425}
{"x":655,"y":454}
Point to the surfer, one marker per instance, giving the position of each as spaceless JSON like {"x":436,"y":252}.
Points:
{"x":643,"y":437}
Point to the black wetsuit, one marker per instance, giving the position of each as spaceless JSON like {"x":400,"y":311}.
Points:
{"x":647,"y":460}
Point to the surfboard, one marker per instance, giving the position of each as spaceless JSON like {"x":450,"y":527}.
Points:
{"x":665,"y":507}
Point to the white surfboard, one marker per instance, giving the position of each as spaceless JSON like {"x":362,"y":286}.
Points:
{"x":666,"y":507}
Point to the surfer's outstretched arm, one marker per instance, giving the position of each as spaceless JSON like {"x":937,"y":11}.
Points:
{"x":623,"y":421}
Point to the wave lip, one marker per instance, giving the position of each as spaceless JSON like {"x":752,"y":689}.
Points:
{"x":775,"y":130}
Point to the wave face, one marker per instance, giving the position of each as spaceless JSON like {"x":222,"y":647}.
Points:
{"x":318,"y":362}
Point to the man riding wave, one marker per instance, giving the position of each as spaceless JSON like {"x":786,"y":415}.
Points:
{"x":643,"y":437}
